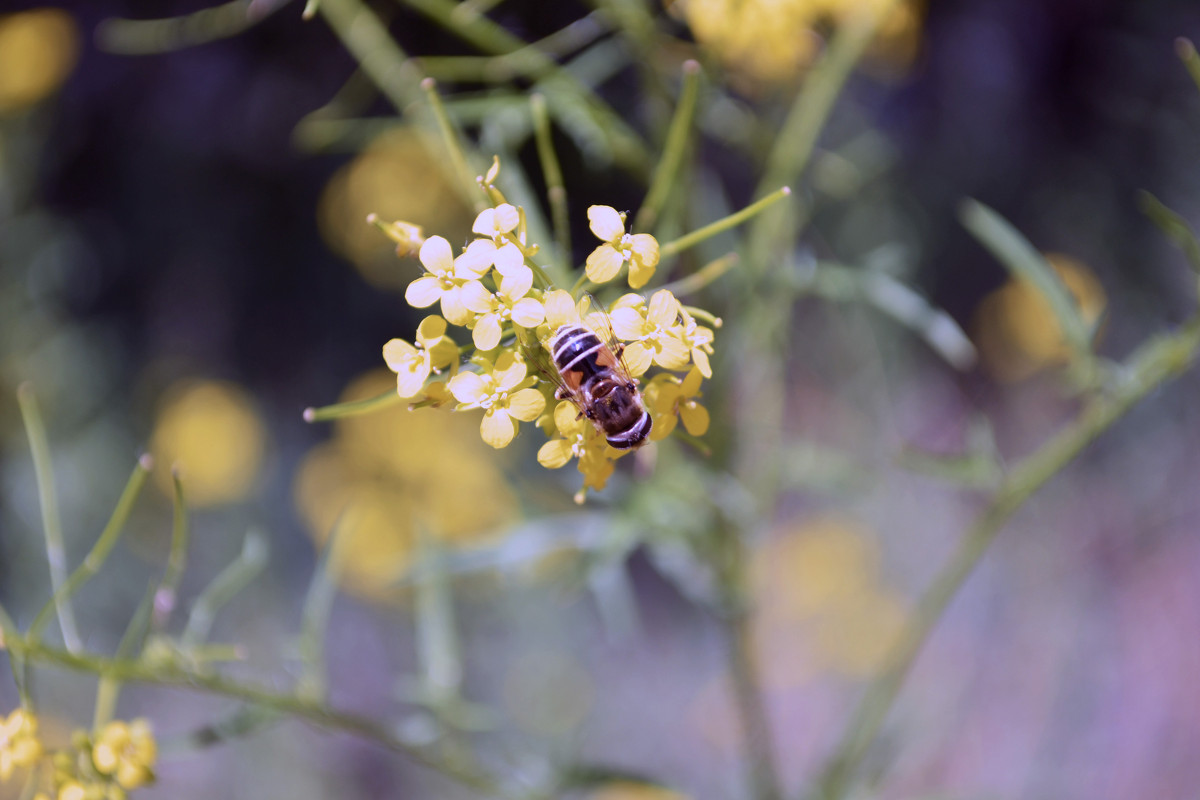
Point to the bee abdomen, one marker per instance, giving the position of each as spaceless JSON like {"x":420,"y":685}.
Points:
{"x":634,"y":435}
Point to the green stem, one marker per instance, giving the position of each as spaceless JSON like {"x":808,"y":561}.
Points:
{"x":100,"y":550}
{"x":231,"y":580}
{"x":667,"y":171}
{"x":458,"y":160}
{"x":354,"y":408}
{"x":39,"y":446}
{"x":556,"y":192}
{"x":1155,"y":363}
{"x":702,"y":277}
{"x":165,"y":595}
{"x":315,"y":713}
{"x":720,"y":226}
{"x":376,"y":52}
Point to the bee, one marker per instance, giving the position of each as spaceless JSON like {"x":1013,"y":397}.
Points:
{"x":593,"y":377}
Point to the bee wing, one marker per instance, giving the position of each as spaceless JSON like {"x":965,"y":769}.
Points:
{"x":541,"y":361}
{"x":596,"y":318}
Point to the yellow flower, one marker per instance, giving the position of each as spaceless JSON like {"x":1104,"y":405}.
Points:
{"x":19,"y":743}
{"x":670,"y":399}
{"x":505,"y":394}
{"x":638,"y":250}
{"x":126,"y":752}
{"x":509,"y":304}
{"x":698,"y":339}
{"x":578,"y":438}
{"x":653,"y":334}
{"x":412,"y":365}
{"x":497,"y":247}
{"x":443,"y":281}
{"x":407,"y":236}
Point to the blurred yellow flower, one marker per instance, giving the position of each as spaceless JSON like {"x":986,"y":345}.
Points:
{"x":631,"y":790}
{"x":19,"y":742}
{"x":618,"y":248}
{"x":38,"y":50}
{"x":1016,"y":330}
{"x":393,"y":473}
{"x":394,"y":177}
{"x":127,"y":752}
{"x":211,"y":430}
{"x":824,"y":602}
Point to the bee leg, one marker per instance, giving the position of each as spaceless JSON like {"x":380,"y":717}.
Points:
{"x":562,"y":393}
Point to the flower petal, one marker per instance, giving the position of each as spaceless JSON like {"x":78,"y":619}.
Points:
{"x":508,"y":372}
{"x":423,"y":292}
{"x":497,"y":427}
{"x":517,"y":283}
{"x":397,"y":353}
{"x":691,"y":383}
{"x":468,"y":387}
{"x":627,"y":323}
{"x":487,"y":332}
{"x":436,"y":256}
{"x":637,"y":358}
{"x":485,"y":223}
{"x":700,"y":359}
{"x":672,"y":353}
{"x":664,"y":309}
{"x":476,"y":260}
{"x":645,"y":249}
{"x":431,"y":328}
{"x":526,"y":405}
{"x":606,"y":223}
{"x":603,"y":264}
{"x":410,"y":381}
{"x":506,"y":218}
{"x":695,"y":418}
{"x":528,"y":313}
{"x":477,"y":298}
{"x":560,"y":308}
{"x":639,"y":274}
{"x":566,"y":418}
{"x":453,"y":308}
{"x":554,"y":453}
{"x":510,"y":259}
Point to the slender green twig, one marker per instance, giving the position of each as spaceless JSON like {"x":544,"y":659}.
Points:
{"x":1158,"y":361}
{"x":165,"y":595}
{"x":146,"y":36}
{"x":453,"y":142}
{"x":318,"y":604}
{"x":667,"y":171}
{"x":231,"y":580}
{"x":1187,"y":54}
{"x":315,"y":713}
{"x":733,"y":220}
{"x":376,"y":52}
{"x":99,"y":553}
{"x":354,"y":408}
{"x":556,"y":192}
{"x":51,"y":523}
{"x":108,"y":690}
{"x":702,"y":277}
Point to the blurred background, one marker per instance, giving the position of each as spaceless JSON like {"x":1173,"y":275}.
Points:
{"x":185,"y":266}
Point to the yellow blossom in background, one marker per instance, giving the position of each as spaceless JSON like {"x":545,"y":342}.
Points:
{"x":395,"y":177}
{"x":638,"y":250}
{"x":632,"y":790}
{"x":434,"y":351}
{"x":212,"y":432}
{"x":38,"y":50}
{"x":669,"y":400}
{"x":395,"y":472}
{"x":505,"y":394}
{"x":127,"y":752}
{"x":824,"y":602}
{"x":19,"y":742}
{"x":1016,"y":330}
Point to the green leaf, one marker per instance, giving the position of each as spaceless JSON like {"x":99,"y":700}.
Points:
{"x":1173,"y":225}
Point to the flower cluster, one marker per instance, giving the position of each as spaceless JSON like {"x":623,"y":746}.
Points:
{"x":494,"y":290}
{"x":118,"y":759}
